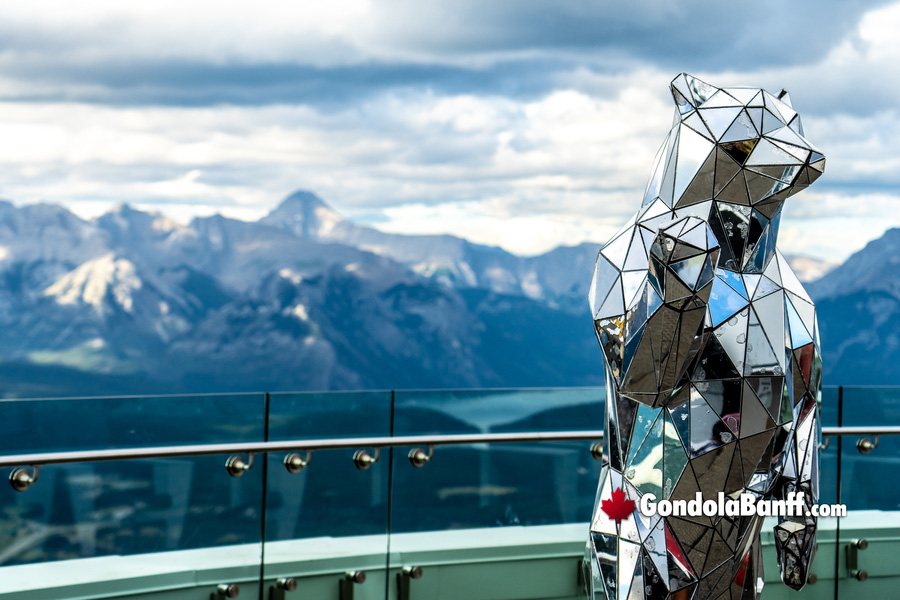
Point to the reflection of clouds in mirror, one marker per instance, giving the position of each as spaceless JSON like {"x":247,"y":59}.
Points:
{"x":723,"y":348}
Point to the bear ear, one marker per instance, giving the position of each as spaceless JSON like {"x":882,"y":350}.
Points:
{"x":785,"y":97}
{"x":690,"y":92}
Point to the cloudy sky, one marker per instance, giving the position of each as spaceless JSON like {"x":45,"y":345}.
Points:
{"x":520,"y":123}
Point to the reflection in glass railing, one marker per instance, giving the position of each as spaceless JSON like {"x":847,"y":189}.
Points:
{"x":329,"y":497}
{"x":490,"y":485}
{"x":83,"y":510}
{"x":867,"y":480}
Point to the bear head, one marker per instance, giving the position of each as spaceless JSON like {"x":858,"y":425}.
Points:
{"x":732,"y":157}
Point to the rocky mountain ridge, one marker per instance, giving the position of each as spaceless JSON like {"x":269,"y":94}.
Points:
{"x":306,"y":300}
{"x":301,"y":299}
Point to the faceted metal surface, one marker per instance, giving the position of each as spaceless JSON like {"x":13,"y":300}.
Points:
{"x":712,"y":354}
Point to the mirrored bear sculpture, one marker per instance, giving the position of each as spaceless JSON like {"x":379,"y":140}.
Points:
{"x":711,"y":352}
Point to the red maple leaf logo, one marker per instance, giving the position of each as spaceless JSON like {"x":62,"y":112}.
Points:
{"x":619,"y":507}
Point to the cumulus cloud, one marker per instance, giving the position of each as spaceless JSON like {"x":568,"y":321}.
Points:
{"x":521,"y":123}
{"x":201,"y":52}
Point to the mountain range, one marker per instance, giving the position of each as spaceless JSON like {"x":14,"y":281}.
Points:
{"x":132,"y":302}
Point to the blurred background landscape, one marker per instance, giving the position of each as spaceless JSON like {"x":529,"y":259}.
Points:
{"x":461,"y":163}
{"x":133,"y":302}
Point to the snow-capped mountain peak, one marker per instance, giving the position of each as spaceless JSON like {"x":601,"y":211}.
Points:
{"x":305,"y":214}
{"x":95,"y":281}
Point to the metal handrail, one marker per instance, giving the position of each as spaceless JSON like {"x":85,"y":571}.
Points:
{"x":864,"y":445}
{"x":863,"y":430}
{"x":50,"y":458}
{"x":55,"y":458}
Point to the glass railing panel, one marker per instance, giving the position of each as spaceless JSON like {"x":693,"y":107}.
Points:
{"x":490,"y":485}
{"x":130,"y":507}
{"x":871,"y":492}
{"x":59,"y":425}
{"x":868,"y":481}
{"x":309,"y":513}
{"x":466,"y":492}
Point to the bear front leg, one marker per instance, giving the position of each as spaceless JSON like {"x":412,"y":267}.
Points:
{"x":659,"y":330}
{"x":795,"y":536}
